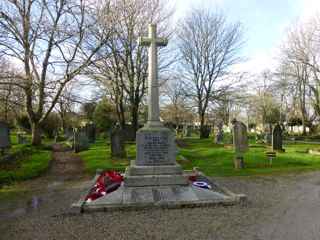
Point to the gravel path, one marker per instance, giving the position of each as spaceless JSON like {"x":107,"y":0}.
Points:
{"x":283,"y":207}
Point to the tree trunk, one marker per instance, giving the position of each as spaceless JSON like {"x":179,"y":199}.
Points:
{"x":64,"y":125}
{"x":304,"y":131}
{"x":203,"y":127}
{"x":122,"y":118}
{"x":134,"y":118}
{"x":36,"y":134}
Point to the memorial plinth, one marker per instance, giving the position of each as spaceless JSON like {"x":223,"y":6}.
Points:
{"x":154,"y":178}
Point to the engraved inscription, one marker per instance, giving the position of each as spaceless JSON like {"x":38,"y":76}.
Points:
{"x":155,"y":148}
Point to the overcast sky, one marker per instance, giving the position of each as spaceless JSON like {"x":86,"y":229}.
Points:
{"x":264,"y":21}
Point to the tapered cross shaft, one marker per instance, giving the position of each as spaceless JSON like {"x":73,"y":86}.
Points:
{"x":152,"y":41}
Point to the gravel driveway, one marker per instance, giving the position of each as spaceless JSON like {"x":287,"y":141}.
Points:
{"x":285,"y":207}
{"x":282,"y":207}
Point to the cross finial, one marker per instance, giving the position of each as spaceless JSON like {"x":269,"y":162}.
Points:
{"x":152,"y":38}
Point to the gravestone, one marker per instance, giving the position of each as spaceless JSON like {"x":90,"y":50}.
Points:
{"x":187,"y":131}
{"x":91,"y":132}
{"x":268,"y":138}
{"x":80,"y":140}
{"x":4,"y":136}
{"x":205,"y":131}
{"x":219,"y":135}
{"x":68,"y":133}
{"x":56,"y":136}
{"x":240,"y":142}
{"x":130,"y":133}
{"x":268,"y":135}
{"x":277,"y":138}
{"x":117,"y":143}
{"x":22,"y":139}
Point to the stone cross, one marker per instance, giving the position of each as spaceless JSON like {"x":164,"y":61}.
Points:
{"x":152,"y":41}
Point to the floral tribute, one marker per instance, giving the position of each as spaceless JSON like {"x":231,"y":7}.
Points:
{"x":107,"y":182}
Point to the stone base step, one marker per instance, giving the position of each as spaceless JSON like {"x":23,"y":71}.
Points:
{"x":155,"y":180}
{"x":167,"y":197}
{"x":135,"y":170}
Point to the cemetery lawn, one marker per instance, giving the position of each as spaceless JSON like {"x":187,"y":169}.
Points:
{"x":215,"y":160}
{"x":212,"y":159}
{"x":99,"y":157}
{"x":28,"y":162}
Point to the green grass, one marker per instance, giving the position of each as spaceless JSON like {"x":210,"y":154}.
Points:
{"x":98,"y":157}
{"x":29,"y":162}
{"x":214,"y":160}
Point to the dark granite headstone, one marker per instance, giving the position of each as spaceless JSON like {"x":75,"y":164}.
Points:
{"x":206,"y":131}
{"x":4,"y":136}
{"x":91,"y":132}
{"x":118,"y":143}
{"x":80,"y":140}
{"x":277,"y":138}
{"x":129,"y":133}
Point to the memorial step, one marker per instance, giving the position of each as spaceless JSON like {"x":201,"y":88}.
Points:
{"x":155,"y":180}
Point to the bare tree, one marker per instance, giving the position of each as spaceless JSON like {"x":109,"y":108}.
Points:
{"x":299,"y":63}
{"x":124,"y":72}
{"x":53,"y":42}
{"x":65,"y":106}
{"x":209,"y":46}
{"x":176,"y":109}
{"x":11,"y":97}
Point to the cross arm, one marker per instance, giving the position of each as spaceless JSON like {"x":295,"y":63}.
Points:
{"x":144,"y":41}
{"x":162,"y":42}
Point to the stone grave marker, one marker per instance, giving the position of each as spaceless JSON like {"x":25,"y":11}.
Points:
{"x":219,"y":135}
{"x":130,"y":133}
{"x":118,"y":143}
{"x":277,"y":138}
{"x":56,"y":136}
{"x":4,"y":136}
{"x":240,"y":142}
{"x":21,"y":137}
{"x":91,"y":132}
{"x":268,"y":135}
{"x":187,"y":130}
{"x":80,"y":140}
{"x":206,"y":131}
{"x":68,"y":133}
